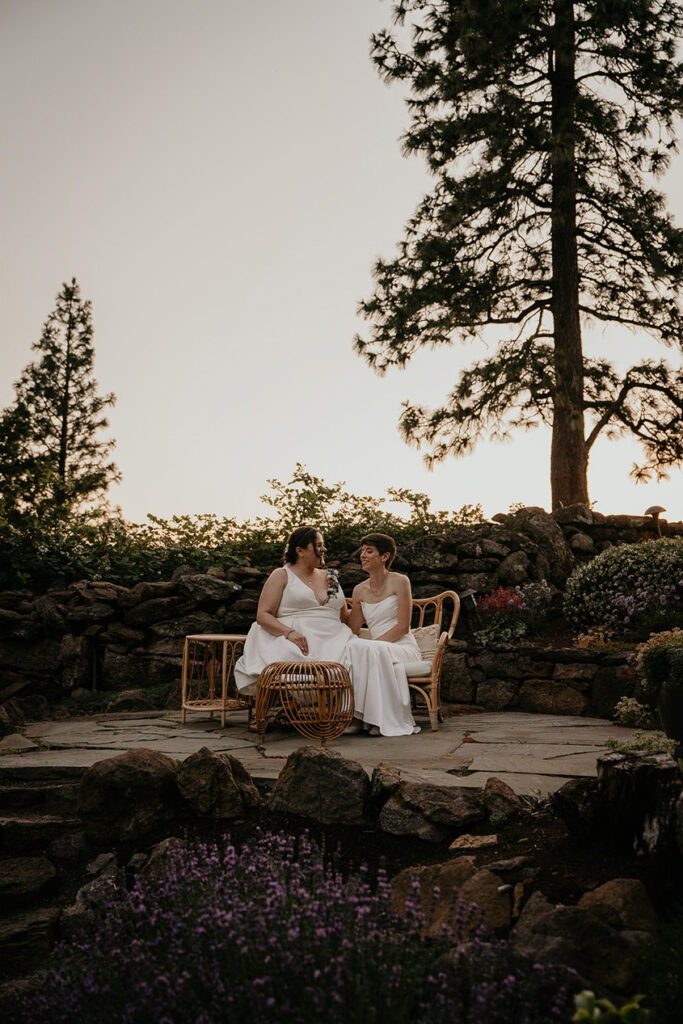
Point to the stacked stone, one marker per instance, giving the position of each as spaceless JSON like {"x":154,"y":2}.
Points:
{"x":562,"y":681}
{"x":100,"y":636}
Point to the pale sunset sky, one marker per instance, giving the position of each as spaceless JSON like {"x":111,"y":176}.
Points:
{"x":220,"y":178}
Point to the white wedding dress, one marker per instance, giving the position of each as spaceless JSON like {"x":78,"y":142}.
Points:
{"x":300,"y":609}
{"x":380,"y":684}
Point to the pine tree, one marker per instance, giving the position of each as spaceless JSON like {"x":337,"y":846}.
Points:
{"x":51,"y":455}
{"x":543,"y":123}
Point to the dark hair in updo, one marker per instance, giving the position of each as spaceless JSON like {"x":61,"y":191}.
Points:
{"x":299,"y":538}
{"x":385,"y":544}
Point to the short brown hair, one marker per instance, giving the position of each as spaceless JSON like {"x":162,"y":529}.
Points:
{"x":385,"y":544}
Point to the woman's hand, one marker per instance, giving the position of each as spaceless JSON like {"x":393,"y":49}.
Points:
{"x":299,"y":640}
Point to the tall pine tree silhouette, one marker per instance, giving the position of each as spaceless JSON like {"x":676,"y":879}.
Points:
{"x":543,"y":123}
{"x":53,"y":456}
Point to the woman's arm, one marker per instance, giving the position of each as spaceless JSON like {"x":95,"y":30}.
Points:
{"x":269,"y":602}
{"x":268,"y":605}
{"x":355,"y":618}
{"x":404,"y":611}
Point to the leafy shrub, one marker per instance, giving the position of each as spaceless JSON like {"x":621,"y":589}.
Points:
{"x":631,"y":589}
{"x":509,"y":614}
{"x":271,"y":934}
{"x":633,"y":715}
{"x":42,"y":551}
{"x":661,"y":660}
{"x":600,"y":638}
{"x":651,"y":742}
{"x":588,"y":1008}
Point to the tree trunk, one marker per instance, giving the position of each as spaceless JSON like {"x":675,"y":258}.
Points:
{"x":61,"y":486}
{"x":568,"y":454}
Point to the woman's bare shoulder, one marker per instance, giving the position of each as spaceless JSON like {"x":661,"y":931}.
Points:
{"x":399,"y":579}
{"x":278,"y":575}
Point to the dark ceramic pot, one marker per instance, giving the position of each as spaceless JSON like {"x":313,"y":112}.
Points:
{"x":670,"y":707}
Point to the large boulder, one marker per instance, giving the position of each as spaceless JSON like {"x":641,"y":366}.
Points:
{"x":459,"y":885}
{"x":321,"y":784}
{"x":576,"y":938}
{"x":125,"y":798}
{"x":216,"y":785}
{"x":554,"y":561}
{"x":501,"y":799}
{"x":623,"y":903}
{"x":432,"y":813}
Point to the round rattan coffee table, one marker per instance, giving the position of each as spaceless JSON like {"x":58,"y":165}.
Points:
{"x":316,"y":697}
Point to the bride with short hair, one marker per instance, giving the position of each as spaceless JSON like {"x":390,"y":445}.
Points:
{"x":377,"y":667}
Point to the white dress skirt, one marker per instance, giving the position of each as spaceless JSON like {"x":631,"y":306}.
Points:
{"x":380,"y":684}
{"x":299,"y":609}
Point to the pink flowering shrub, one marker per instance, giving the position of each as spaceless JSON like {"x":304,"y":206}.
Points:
{"x":509,"y":613}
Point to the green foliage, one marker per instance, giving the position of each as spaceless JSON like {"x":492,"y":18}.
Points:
{"x":652,"y":742}
{"x":541,"y":124}
{"x":52,"y":458}
{"x":51,"y":549}
{"x":633,"y":715}
{"x":509,"y":614}
{"x":630,"y":589}
{"x":600,"y":638}
{"x":660,"y":660}
{"x":589,"y":1008}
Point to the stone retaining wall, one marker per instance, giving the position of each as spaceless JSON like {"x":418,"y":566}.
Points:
{"x":97,"y":635}
{"x":563,"y":681}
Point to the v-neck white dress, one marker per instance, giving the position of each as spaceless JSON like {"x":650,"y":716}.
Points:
{"x":380,"y":684}
{"x":299,"y":608}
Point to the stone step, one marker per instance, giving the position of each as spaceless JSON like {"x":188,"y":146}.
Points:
{"x":59,"y":798}
{"x":39,"y":773}
{"x":24,"y":879}
{"x":26,"y":938}
{"x":33,"y":831}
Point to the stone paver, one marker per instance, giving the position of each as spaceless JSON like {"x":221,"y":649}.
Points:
{"x":534,"y":754}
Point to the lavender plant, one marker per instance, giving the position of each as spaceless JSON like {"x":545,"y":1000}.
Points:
{"x":271,"y":934}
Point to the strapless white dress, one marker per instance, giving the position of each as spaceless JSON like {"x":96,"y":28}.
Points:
{"x":299,"y":608}
{"x":380,"y":684}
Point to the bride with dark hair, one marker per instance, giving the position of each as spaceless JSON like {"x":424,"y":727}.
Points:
{"x":301,"y":613}
{"x":302,"y":616}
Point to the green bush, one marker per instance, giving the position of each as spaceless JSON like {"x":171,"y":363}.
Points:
{"x":39,"y":551}
{"x":632,"y":589}
{"x":660,"y":660}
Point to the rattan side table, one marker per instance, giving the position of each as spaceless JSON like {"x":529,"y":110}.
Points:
{"x":316,"y":697}
{"x":208,"y":661}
